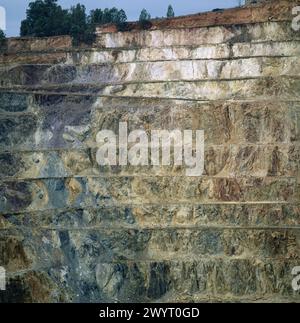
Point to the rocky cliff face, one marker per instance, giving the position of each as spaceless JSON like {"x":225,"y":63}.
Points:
{"x":73,"y":231}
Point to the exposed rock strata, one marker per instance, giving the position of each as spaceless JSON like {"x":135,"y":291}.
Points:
{"x":72,"y":231}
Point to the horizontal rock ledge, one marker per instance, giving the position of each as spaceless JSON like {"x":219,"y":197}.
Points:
{"x":30,"y":195}
{"x":236,"y":215}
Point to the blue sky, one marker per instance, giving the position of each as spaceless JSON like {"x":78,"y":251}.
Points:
{"x":16,"y":9}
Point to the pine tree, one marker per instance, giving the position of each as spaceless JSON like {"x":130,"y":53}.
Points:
{"x":96,"y":16}
{"x":170,"y":12}
{"x":82,"y":30}
{"x":107,"y":16}
{"x":144,"y":20}
{"x":122,"y":21}
{"x":145,"y":15}
{"x":122,"y":16}
{"x":78,"y":23}
{"x":2,"y":40}
{"x":114,"y":14}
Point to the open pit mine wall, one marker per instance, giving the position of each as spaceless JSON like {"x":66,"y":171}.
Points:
{"x":72,"y":231}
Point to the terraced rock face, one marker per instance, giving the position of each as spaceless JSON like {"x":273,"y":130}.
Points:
{"x":74,"y":231}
